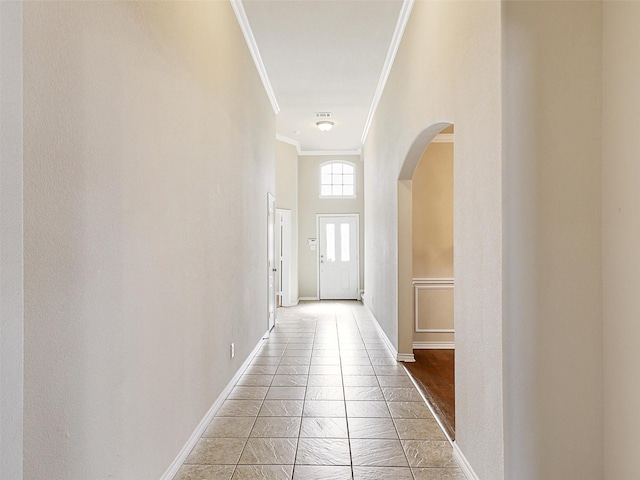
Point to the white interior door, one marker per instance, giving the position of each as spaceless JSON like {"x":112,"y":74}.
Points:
{"x":283,"y":256}
{"x":338,"y":257}
{"x":271,"y":260}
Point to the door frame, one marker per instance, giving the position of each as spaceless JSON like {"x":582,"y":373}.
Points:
{"x":271,"y":217}
{"x":284,"y":271}
{"x":320,"y":215}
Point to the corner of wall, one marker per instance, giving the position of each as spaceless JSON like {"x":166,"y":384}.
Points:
{"x":11,"y":246}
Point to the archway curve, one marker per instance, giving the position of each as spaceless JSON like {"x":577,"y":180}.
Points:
{"x":405,"y":305}
{"x":419,"y":145}
{"x":408,"y":304}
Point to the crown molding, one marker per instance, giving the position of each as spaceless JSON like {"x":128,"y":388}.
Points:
{"x":241,"y":15}
{"x":317,"y":153}
{"x":403,"y":18}
{"x":325,"y":153}
{"x":290,"y":141}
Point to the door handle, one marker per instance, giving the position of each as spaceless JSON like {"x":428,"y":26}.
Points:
{"x":274,"y":269}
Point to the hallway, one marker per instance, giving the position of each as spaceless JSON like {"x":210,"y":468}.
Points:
{"x":323,"y":400}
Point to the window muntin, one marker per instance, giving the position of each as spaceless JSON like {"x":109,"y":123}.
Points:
{"x":337,"y":179}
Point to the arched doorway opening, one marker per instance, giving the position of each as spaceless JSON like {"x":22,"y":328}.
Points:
{"x":425,"y":268}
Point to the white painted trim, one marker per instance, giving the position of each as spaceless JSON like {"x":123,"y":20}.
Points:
{"x":355,"y":180}
{"x":290,"y":141}
{"x":406,"y":357}
{"x":204,"y":423}
{"x":429,"y":284}
{"x":284,"y":265}
{"x":403,"y":18}
{"x":432,"y":281}
{"x":327,"y":153}
{"x":443,"y":138}
{"x":337,"y":197}
{"x":434,"y":346}
{"x":382,"y":333}
{"x":463,"y":463}
{"x":308,"y":299}
{"x":426,"y":402}
{"x":243,"y":21}
{"x":271,"y":232}
{"x":318,"y":153}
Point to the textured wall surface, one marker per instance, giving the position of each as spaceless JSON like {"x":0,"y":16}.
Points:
{"x":621,"y":237}
{"x":149,"y":152}
{"x":287,"y":198}
{"x":552,"y":235}
{"x":448,"y":71}
{"x":11,"y":256}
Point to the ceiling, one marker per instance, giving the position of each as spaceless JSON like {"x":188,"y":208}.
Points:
{"x":323,"y":56}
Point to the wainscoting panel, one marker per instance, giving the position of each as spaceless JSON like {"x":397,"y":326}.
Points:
{"x":433,"y":313}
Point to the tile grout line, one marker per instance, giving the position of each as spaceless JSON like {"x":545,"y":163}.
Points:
{"x":344,"y":400}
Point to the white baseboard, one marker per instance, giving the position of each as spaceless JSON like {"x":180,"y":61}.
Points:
{"x":291,"y":304}
{"x":308,"y":299}
{"x":382,"y":333}
{"x":463,"y":463}
{"x":434,"y":345}
{"x":204,"y":423}
{"x":406,"y":357}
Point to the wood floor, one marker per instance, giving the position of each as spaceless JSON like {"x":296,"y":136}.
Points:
{"x":433,"y":371}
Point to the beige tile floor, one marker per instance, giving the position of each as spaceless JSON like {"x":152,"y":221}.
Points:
{"x":323,"y":400}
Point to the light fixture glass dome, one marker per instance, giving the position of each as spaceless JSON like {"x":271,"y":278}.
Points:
{"x":324,"y":125}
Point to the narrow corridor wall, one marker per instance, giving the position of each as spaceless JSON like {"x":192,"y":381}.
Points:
{"x":447,"y":70}
{"x":552,"y":291}
{"x":621,"y":237}
{"x":149,"y":152}
{"x":11,"y":241}
{"x":287,"y":198}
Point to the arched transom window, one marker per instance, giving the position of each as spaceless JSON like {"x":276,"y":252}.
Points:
{"x":337,"y":179}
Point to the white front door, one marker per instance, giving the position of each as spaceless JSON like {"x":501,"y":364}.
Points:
{"x":338,"y":257}
{"x":271,"y":261}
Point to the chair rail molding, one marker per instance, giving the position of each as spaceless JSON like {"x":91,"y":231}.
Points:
{"x":429,"y":284}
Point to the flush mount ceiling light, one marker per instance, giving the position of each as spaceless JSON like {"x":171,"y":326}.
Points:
{"x":324,"y":125}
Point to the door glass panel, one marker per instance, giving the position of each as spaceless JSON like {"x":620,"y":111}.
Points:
{"x":347,"y":189}
{"x":326,"y":190}
{"x":344,"y":242}
{"x":331,"y":242}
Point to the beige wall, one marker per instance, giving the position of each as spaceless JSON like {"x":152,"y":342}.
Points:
{"x":621,"y":237}
{"x":11,"y":246}
{"x":432,"y":231}
{"x":310,"y":204}
{"x":432,"y":193}
{"x":552,"y":290}
{"x":149,"y":152}
{"x":447,"y":70}
{"x":287,"y":198}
